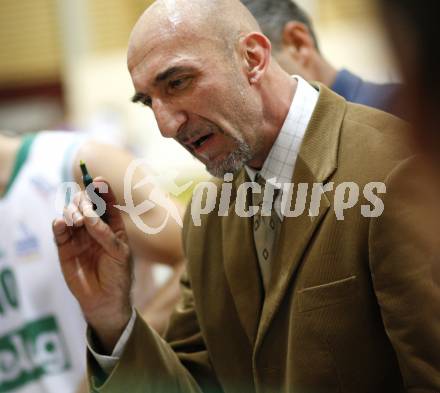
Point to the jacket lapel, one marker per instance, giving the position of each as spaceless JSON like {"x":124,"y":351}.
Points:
{"x":317,"y":161}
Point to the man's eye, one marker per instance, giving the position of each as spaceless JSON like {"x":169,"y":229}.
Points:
{"x":180,"y":84}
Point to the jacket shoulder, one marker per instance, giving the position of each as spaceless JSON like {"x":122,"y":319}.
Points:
{"x":373,"y":142}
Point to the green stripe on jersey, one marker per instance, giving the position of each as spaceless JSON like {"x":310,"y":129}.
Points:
{"x":22,"y":155}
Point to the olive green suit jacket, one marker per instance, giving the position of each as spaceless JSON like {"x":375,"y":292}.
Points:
{"x":351,"y":307}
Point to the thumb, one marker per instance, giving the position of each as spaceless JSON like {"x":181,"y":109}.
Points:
{"x":114,"y":242}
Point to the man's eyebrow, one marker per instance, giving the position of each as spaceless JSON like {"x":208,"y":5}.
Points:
{"x":169,"y":73}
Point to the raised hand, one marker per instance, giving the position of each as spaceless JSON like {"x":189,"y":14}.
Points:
{"x":96,"y":264}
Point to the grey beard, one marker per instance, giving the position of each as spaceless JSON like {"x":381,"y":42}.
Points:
{"x":234,"y":162}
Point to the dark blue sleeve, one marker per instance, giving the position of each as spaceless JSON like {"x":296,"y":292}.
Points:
{"x":380,"y":96}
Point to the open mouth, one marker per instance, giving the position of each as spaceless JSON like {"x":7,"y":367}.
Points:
{"x":201,"y":141}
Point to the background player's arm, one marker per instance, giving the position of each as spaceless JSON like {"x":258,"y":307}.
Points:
{"x":112,"y":162}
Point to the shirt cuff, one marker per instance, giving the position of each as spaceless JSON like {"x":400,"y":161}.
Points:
{"x":108,"y":363}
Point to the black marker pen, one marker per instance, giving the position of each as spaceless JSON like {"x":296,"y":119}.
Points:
{"x":92,"y":193}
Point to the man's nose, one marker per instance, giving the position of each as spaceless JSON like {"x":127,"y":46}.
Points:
{"x":169,"y":118}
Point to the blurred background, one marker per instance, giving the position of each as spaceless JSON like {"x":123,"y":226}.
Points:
{"x":63,"y":66}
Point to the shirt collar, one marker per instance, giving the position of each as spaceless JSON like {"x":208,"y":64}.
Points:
{"x":280,"y":163}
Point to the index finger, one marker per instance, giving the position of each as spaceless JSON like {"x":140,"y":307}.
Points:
{"x":113,"y":216}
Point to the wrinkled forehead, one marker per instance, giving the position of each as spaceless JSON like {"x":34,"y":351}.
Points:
{"x":146,"y":63}
{"x":153,"y":53}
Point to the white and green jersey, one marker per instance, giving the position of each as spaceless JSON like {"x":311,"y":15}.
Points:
{"x":42,"y":331}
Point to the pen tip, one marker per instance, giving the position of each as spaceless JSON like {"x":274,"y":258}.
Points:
{"x":83,"y":167}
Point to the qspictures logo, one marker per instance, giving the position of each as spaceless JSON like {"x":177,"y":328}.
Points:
{"x":289,"y":199}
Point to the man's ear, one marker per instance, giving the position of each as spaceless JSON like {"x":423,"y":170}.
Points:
{"x":299,"y":41}
{"x":256,"y":49}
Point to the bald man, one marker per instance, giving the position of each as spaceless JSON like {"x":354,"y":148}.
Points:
{"x":330,"y":299}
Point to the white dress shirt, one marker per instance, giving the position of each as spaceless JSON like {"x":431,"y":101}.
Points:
{"x":277,"y":170}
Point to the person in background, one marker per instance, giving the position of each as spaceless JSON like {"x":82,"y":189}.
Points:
{"x":295,"y":46}
{"x":42,"y":346}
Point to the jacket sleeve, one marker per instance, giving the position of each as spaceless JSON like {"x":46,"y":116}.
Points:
{"x":150,"y":364}
{"x":404,"y":263}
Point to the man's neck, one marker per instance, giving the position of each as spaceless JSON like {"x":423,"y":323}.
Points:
{"x":8,"y":152}
{"x":277,"y":107}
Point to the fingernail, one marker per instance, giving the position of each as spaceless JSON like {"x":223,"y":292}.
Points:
{"x":77,"y":218}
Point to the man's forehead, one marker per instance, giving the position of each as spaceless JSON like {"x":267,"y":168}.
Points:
{"x":159,"y":64}
{"x":158,"y":40}
{"x":154,"y":48}
{"x":167,"y":48}
{"x":151,"y":46}
{"x":171,"y":20}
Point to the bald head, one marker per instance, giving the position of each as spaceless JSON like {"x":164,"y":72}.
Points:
{"x":205,"y":69}
{"x":219,"y":21}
